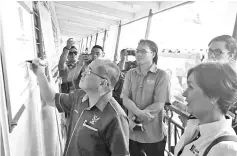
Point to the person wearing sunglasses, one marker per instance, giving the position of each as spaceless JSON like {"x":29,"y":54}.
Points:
{"x":145,"y":91}
{"x":98,"y":125}
{"x":75,"y":74}
{"x":67,"y":62}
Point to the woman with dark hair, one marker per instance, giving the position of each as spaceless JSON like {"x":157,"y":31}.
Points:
{"x":212,"y":90}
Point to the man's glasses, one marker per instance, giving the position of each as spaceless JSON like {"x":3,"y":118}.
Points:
{"x":217,"y":52}
{"x":89,"y":71}
{"x":141,"y":51}
{"x":73,"y":52}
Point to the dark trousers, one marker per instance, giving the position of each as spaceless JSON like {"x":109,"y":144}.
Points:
{"x":147,"y":149}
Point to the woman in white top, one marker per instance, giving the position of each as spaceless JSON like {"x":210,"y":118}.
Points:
{"x":212,"y":89}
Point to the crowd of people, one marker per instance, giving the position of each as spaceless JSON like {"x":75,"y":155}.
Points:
{"x":132,"y":123}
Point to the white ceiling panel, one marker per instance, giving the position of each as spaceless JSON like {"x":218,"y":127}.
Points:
{"x":84,"y":18}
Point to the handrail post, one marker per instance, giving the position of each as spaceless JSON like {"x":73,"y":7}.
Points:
{"x":86,"y":41}
{"x":117,"y":42}
{"x":96,"y":38}
{"x":104,"y":39}
{"x":169,"y":134}
{"x":148,"y":24}
{"x":235,"y":28}
{"x":90,"y":43}
{"x":81,"y":46}
{"x":175,"y":134}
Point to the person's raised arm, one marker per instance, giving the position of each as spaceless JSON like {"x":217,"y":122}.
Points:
{"x":63,"y":57}
{"x":47,"y":91}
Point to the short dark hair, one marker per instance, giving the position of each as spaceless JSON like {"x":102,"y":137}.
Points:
{"x":109,"y":70}
{"x":97,"y":46}
{"x":231,"y":44}
{"x":152,"y":46}
{"x":217,"y":80}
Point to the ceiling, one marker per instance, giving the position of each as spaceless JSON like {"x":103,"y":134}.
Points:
{"x":80,"y":19}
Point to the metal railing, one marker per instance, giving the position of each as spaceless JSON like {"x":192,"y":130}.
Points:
{"x":175,"y":129}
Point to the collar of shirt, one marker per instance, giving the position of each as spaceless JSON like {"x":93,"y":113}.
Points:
{"x":208,"y":128}
{"x":101,"y":103}
{"x":152,"y":69}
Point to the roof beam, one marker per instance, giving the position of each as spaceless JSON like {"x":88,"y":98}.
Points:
{"x":142,"y":3}
{"x":159,"y":7}
{"x":74,"y":25}
{"x":81,"y":25}
{"x":82,"y":21}
{"x":117,"y":5}
{"x":71,"y":34}
{"x":72,"y":11}
{"x":96,"y":8}
{"x":79,"y":30}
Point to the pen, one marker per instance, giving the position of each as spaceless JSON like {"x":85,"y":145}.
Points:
{"x":85,"y":125}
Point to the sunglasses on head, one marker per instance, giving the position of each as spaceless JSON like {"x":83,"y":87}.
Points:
{"x":73,"y":52}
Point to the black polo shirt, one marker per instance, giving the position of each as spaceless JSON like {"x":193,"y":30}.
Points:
{"x":100,"y":130}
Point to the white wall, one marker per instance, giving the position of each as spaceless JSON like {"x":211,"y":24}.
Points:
{"x":36,"y":133}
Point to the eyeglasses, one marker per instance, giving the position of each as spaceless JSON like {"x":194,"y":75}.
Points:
{"x":88,"y":71}
{"x":73,"y":52}
{"x":142,"y":51}
{"x":217,"y":52}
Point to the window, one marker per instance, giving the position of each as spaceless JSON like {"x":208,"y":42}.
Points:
{"x":131,"y":34}
{"x":178,"y":28}
{"x":88,"y":42}
{"x":83,"y":48}
{"x":110,"y":42}
{"x":100,"y":39}
{"x":92,"y":41}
